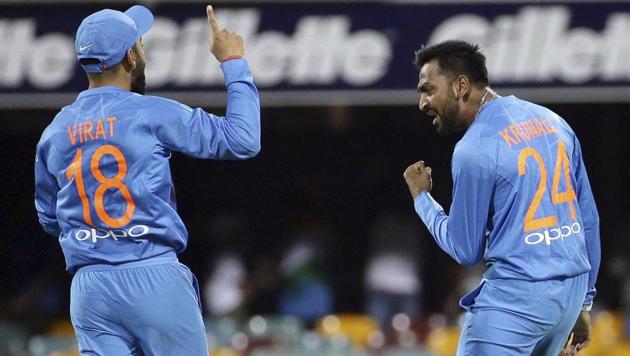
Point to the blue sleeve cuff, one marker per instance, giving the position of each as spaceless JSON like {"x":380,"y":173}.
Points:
{"x":424,"y":203}
{"x":236,"y":70}
{"x":588,"y":300}
{"x":417,"y":199}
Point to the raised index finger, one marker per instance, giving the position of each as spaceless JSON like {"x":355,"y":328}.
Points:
{"x":212,"y":20}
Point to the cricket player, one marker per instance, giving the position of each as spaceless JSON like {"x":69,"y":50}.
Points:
{"x":522,"y":204}
{"x":104,"y":188}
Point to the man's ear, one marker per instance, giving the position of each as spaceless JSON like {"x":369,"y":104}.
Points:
{"x":461,"y":87}
{"x":131,"y":60}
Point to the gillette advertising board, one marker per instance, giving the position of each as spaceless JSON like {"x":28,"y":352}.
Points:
{"x":332,"y":53}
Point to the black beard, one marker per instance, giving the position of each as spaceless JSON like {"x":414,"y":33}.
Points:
{"x":138,"y":83}
{"x":449,"y":118}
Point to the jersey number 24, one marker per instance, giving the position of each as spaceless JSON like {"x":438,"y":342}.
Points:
{"x":561,"y":171}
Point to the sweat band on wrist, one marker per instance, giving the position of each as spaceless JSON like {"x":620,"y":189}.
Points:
{"x":236,"y":56}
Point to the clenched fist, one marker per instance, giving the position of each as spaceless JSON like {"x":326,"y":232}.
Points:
{"x":223,"y":43}
{"x":418,"y":178}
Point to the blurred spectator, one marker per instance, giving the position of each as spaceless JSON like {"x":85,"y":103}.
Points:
{"x":262,"y":285}
{"x":392,"y":274}
{"x":619,"y":270}
{"x":41,"y":297}
{"x":305,"y":290}
{"x":224,"y":288}
{"x":224,"y":294}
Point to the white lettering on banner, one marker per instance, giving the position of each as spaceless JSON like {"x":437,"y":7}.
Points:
{"x":316,"y":50}
{"x":160,"y":53}
{"x":366,"y":59}
{"x":47,"y":61}
{"x":321,"y":51}
{"x":16,"y":38}
{"x":555,"y":233}
{"x":95,"y":234}
{"x":52,"y":61}
{"x":536,"y":45}
{"x":271,"y":61}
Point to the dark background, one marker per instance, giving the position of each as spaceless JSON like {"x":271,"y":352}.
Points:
{"x":340,"y":166}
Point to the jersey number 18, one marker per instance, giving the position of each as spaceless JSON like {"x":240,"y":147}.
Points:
{"x":74,"y":170}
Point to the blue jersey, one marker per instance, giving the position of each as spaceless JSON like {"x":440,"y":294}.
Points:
{"x":521,"y":198}
{"x":103,"y":182}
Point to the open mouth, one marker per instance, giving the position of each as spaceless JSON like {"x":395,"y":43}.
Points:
{"x":433,"y":115}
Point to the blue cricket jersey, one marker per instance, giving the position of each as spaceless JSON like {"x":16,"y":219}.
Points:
{"x":522,"y":201}
{"x":102,"y":176}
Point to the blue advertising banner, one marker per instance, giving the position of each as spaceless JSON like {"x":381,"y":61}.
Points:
{"x":333,"y":53}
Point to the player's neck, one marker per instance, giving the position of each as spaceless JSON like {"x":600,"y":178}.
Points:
{"x":478,"y":99}
{"x":109,"y":79}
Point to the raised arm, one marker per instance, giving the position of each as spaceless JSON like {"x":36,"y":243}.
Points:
{"x":462,"y":233}
{"x":201,"y":134}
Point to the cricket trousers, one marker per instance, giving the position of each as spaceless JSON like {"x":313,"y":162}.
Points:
{"x":148,"y":307}
{"x":513,"y":317}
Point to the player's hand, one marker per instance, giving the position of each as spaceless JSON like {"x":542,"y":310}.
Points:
{"x":418,"y":178}
{"x":580,"y":335}
{"x":223,"y":42}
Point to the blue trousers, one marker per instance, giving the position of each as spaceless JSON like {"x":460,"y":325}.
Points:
{"x":512,"y":317}
{"x":148,"y":307}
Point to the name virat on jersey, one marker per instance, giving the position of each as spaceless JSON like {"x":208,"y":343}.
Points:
{"x":87,"y":130}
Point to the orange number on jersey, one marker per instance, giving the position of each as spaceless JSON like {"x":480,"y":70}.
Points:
{"x":111,"y":183}
{"x":568,"y":196}
{"x":74,"y":170}
{"x":531,"y":223}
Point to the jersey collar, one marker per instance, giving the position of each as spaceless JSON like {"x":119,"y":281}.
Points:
{"x":100,"y":91}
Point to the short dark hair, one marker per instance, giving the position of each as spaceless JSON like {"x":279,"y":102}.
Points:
{"x":456,"y":57}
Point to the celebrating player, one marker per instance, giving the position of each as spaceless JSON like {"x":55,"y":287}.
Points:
{"x":522,"y":203}
{"x":103,"y":186}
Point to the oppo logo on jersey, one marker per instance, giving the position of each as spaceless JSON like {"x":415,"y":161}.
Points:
{"x":553,"y":234}
{"x":95,"y":234}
